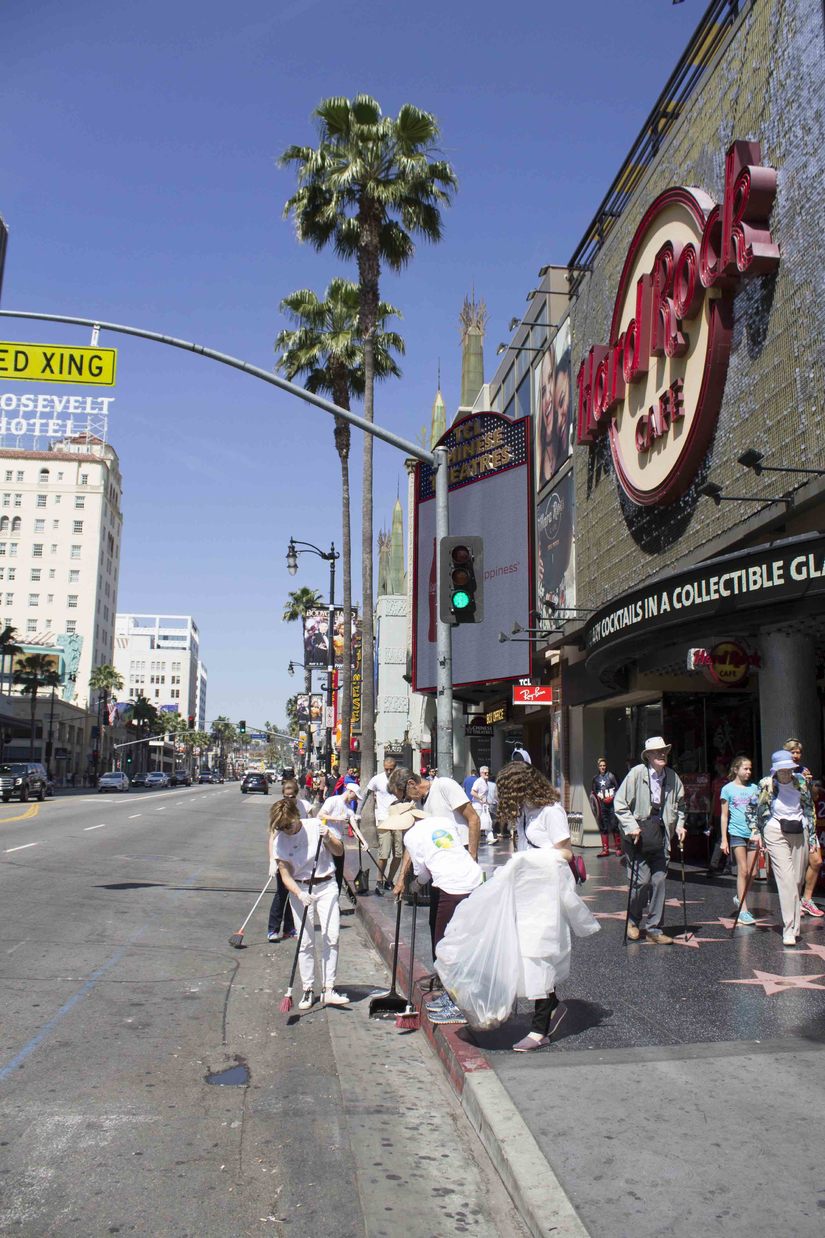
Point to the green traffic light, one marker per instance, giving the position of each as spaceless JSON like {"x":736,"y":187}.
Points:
{"x":461,"y":600}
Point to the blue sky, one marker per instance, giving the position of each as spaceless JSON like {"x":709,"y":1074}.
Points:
{"x":138,"y":178}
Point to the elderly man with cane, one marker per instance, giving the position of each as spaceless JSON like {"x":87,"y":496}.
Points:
{"x":650,"y":807}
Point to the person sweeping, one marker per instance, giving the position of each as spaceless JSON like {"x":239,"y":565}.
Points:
{"x":303,"y":852}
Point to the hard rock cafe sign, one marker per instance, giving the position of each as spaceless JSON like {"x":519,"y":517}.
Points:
{"x":657,"y":387}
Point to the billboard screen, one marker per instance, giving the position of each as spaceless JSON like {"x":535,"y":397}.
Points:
{"x":555,"y":546}
{"x":553,"y":407}
{"x":490,"y":497}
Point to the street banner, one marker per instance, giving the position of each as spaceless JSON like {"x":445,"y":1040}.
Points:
{"x":554,"y":407}
{"x":356,"y":683}
{"x":556,"y":547}
{"x":316,"y":637}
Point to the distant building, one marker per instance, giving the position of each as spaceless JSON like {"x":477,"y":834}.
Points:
{"x":159,"y":658}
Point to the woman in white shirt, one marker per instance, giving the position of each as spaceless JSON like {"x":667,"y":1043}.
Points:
{"x":530,"y":805}
{"x":480,"y":799}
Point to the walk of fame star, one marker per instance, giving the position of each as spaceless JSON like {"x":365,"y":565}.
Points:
{"x":677,"y":902}
{"x":727,"y":922}
{"x":773,"y":983}
{"x":813,"y":948}
{"x":600,"y":889}
{"x":694,"y":942}
{"x":609,"y":915}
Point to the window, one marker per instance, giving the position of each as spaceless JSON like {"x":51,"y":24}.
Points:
{"x":4,"y":524}
{"x":37,"y":550}
{"x":2,"y":573}
{"x":34,"y":599}
{"x":55,"y":524}
{"x":8,"y":474}
{"x":51,"y":573}
{"x":31,"y":625}
{"x":84,"y":479}
{"x":12,"y":573}
{"x":13,"y":550}
{"x":74,"y":575}
{"x":16,"y":524}
{"x":10,"y":599}
{"x":80,"y":500}
{"x":71,"y":601}
{"x":74,"y":553}
{"x":19,"y":474}
{"x":53,"y":548}
{"x":7,"y":500}
{"x":58,"y":497}
{"x":40,"y":501}
{"x":59,"y":476}
{"x":36,"y":573}
{"x":44,"y":476}
{"x":71,"y":625}
{"x":40,"y":526}
{"x":77,"y":526}
{"x":18,"y":500}
{"x":50,"y":600}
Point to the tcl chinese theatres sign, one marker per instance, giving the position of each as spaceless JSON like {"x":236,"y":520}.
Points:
{"x":657,"y":387}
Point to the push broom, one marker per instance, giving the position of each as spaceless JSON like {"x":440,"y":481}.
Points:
{"x":286,"y":1001}
{"x":236,"y":939}
{"x":410,"y":1020}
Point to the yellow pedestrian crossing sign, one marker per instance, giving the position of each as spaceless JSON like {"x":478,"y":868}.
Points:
{"x":54,"y":363}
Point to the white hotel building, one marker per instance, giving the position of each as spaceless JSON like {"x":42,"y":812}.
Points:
{"x":60,"y":538}
{"x":159,"y":658}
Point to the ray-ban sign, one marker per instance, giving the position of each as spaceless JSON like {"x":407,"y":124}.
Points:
{"x":541,"y":694}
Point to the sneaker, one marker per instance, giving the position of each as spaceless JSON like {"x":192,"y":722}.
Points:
{"x":529,"y":1043}
{"x":388,"y":886}
{"x":659,"y":938}
{"x":491,"y":838}
{"x":789,"y":939}
{"x":745,"y":917}
{"x":736,"y":901}
{"x":439,"y":1004}
{"x":449,"y":1013}
{"x":556,"y":1019}
{"x":307,"y":1000}
{"x":379,"y":890}
{"x":331,"y":998}
{"x":274,"y":936}
{"x":633,"y":932}
{"x":292,"y":933}
{"x":810,"y":908}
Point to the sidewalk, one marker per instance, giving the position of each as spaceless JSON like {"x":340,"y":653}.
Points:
{"x":673,"y":1069}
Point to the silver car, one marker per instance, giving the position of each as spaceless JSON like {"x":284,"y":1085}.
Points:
{"x":157,"y":779}
{"x":115,"y":780}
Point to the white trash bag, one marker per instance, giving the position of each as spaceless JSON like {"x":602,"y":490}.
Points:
{"x":478,"y":957}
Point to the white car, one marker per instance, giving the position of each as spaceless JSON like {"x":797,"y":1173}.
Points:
{"x":157,"y":779}
{"x":115,"y":780}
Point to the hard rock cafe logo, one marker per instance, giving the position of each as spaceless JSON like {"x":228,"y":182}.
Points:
{"x":657,"y":387}
{"x":728,"y":662}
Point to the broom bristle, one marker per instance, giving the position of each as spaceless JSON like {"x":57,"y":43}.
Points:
{"x":408,"y":1021}
{"x":286,"y":1004}
{"x":236,"y":940}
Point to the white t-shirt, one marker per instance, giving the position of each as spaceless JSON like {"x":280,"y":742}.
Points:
{"x":788,"y":802}
{"x":337,"y":808}
{"x":298,"y":850}
{"x":444,"y":799}
{"x":437,"y":852}
{"x":383,"y":797}
{"x":542,"y":827}
{"x":480,"y":792}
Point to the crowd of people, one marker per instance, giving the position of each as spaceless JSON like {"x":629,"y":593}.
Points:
{"x":430,"y":828}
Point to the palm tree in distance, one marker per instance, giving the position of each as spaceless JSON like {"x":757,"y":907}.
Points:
{"x":368,"y":188}
{"x":324,"y":347}
{"x":298,"y":602}
{"x":104,"y":680}
{"x":8,"y":649}
{"x":224,"y":735}
{"x":34,"y":672}
{"x":147,"y":723}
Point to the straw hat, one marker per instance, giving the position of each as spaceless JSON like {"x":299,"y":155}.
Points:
{"x":655,"y":744}
{"x":402,"y":815}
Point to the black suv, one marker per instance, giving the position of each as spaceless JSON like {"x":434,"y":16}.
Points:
{"x":253,"y":781}
{"x":25,"y":779}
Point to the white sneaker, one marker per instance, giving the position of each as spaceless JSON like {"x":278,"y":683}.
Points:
{"x":331,"y":998}
{"x":491,"y":838}
{"x":307,"y":1000}
{"x":789,"y":939}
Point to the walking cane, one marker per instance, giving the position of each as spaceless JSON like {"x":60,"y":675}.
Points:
{"x":748,"y":881}
{"x":634,"y":872}
{"x":684,"y":897}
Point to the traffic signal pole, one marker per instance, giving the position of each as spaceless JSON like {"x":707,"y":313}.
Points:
{"x":437,"y":461}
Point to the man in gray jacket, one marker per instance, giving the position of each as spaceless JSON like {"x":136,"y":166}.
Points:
{"x":651,"y":796}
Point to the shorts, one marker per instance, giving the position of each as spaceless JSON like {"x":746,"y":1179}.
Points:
{"x":739,"y":840}
{"x":390,"y":844}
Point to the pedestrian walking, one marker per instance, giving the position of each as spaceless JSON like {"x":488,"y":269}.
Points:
{"x":650,"y":807}
{"x":295,"y":843}
{"x":736,"y":796}
{"x":389,"y":845}
{"x":783,"y":813}
{"x":480,"y":800}
{"x":434,"y":852}
{"x":809,"y":907}
{"x":604,"y":788}
{"x":531,"y":804}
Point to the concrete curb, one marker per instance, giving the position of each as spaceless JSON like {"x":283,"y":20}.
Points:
{"x":533,"y":1186}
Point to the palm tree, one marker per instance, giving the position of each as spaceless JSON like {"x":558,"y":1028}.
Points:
{"x":146,"y":721}
{"x":367,"y":189}
{"x":298,"y":602}
{"x":104,"y":680}
{"x":35,"y":672}
{"x":8,"y":649}
{"x":325,"y":347}
{"x":224,"y":734}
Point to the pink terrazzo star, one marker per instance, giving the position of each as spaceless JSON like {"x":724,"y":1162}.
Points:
{"x":773,"y":983}
{"x":694,"y":942}
{"x":689,"y":902}
{"x":600,"y":889}
{"x":727,"y":922}
{"x":609,"y":915}
{"x":812,"y":948}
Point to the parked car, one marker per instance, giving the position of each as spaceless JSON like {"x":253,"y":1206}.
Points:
{"x":25,"y":779}
{"x":139,"y":780}
{"x":181,"y":778}
{"x":205,"y":775}
{"x":157,"y":778}
{"x":115,"y":780}
{"x":255,"y":781}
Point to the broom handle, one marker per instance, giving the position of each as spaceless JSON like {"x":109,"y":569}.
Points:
{"x":395,"y":947}
{"x":255,"y":904}
{"x":304,"y":916}
{"x":412,"y":947}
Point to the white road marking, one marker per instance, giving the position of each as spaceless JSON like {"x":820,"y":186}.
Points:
{"x":94,"y":827}
{"x":135,"y":814}
{"x":23,"y":848}
{"x":17,"y":947}
{"x":161,"y":808}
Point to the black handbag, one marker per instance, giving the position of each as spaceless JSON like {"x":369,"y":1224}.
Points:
{"x":790,"y":825}
{"x":652,"y":836}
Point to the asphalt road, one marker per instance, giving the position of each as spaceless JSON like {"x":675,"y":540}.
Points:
{"x":121,"y":994}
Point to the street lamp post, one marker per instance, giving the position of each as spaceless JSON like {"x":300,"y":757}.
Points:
{"x":328,"y":556}
{"x":50,"y":740}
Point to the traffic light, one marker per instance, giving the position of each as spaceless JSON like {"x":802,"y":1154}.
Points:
{"x":191,"y":721}
{"x":460,"y":580}
{"x":129,"y":759}
{"x":242,"y":727}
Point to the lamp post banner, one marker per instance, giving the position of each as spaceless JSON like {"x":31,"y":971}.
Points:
{"x":489,"y":497}
{"x":316,"y":637}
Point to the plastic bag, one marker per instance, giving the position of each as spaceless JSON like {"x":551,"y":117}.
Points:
{"x":478,"y":958}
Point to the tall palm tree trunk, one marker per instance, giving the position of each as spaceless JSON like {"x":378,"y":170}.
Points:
{"x":33,"y":724}
{"x":369,"y":270}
